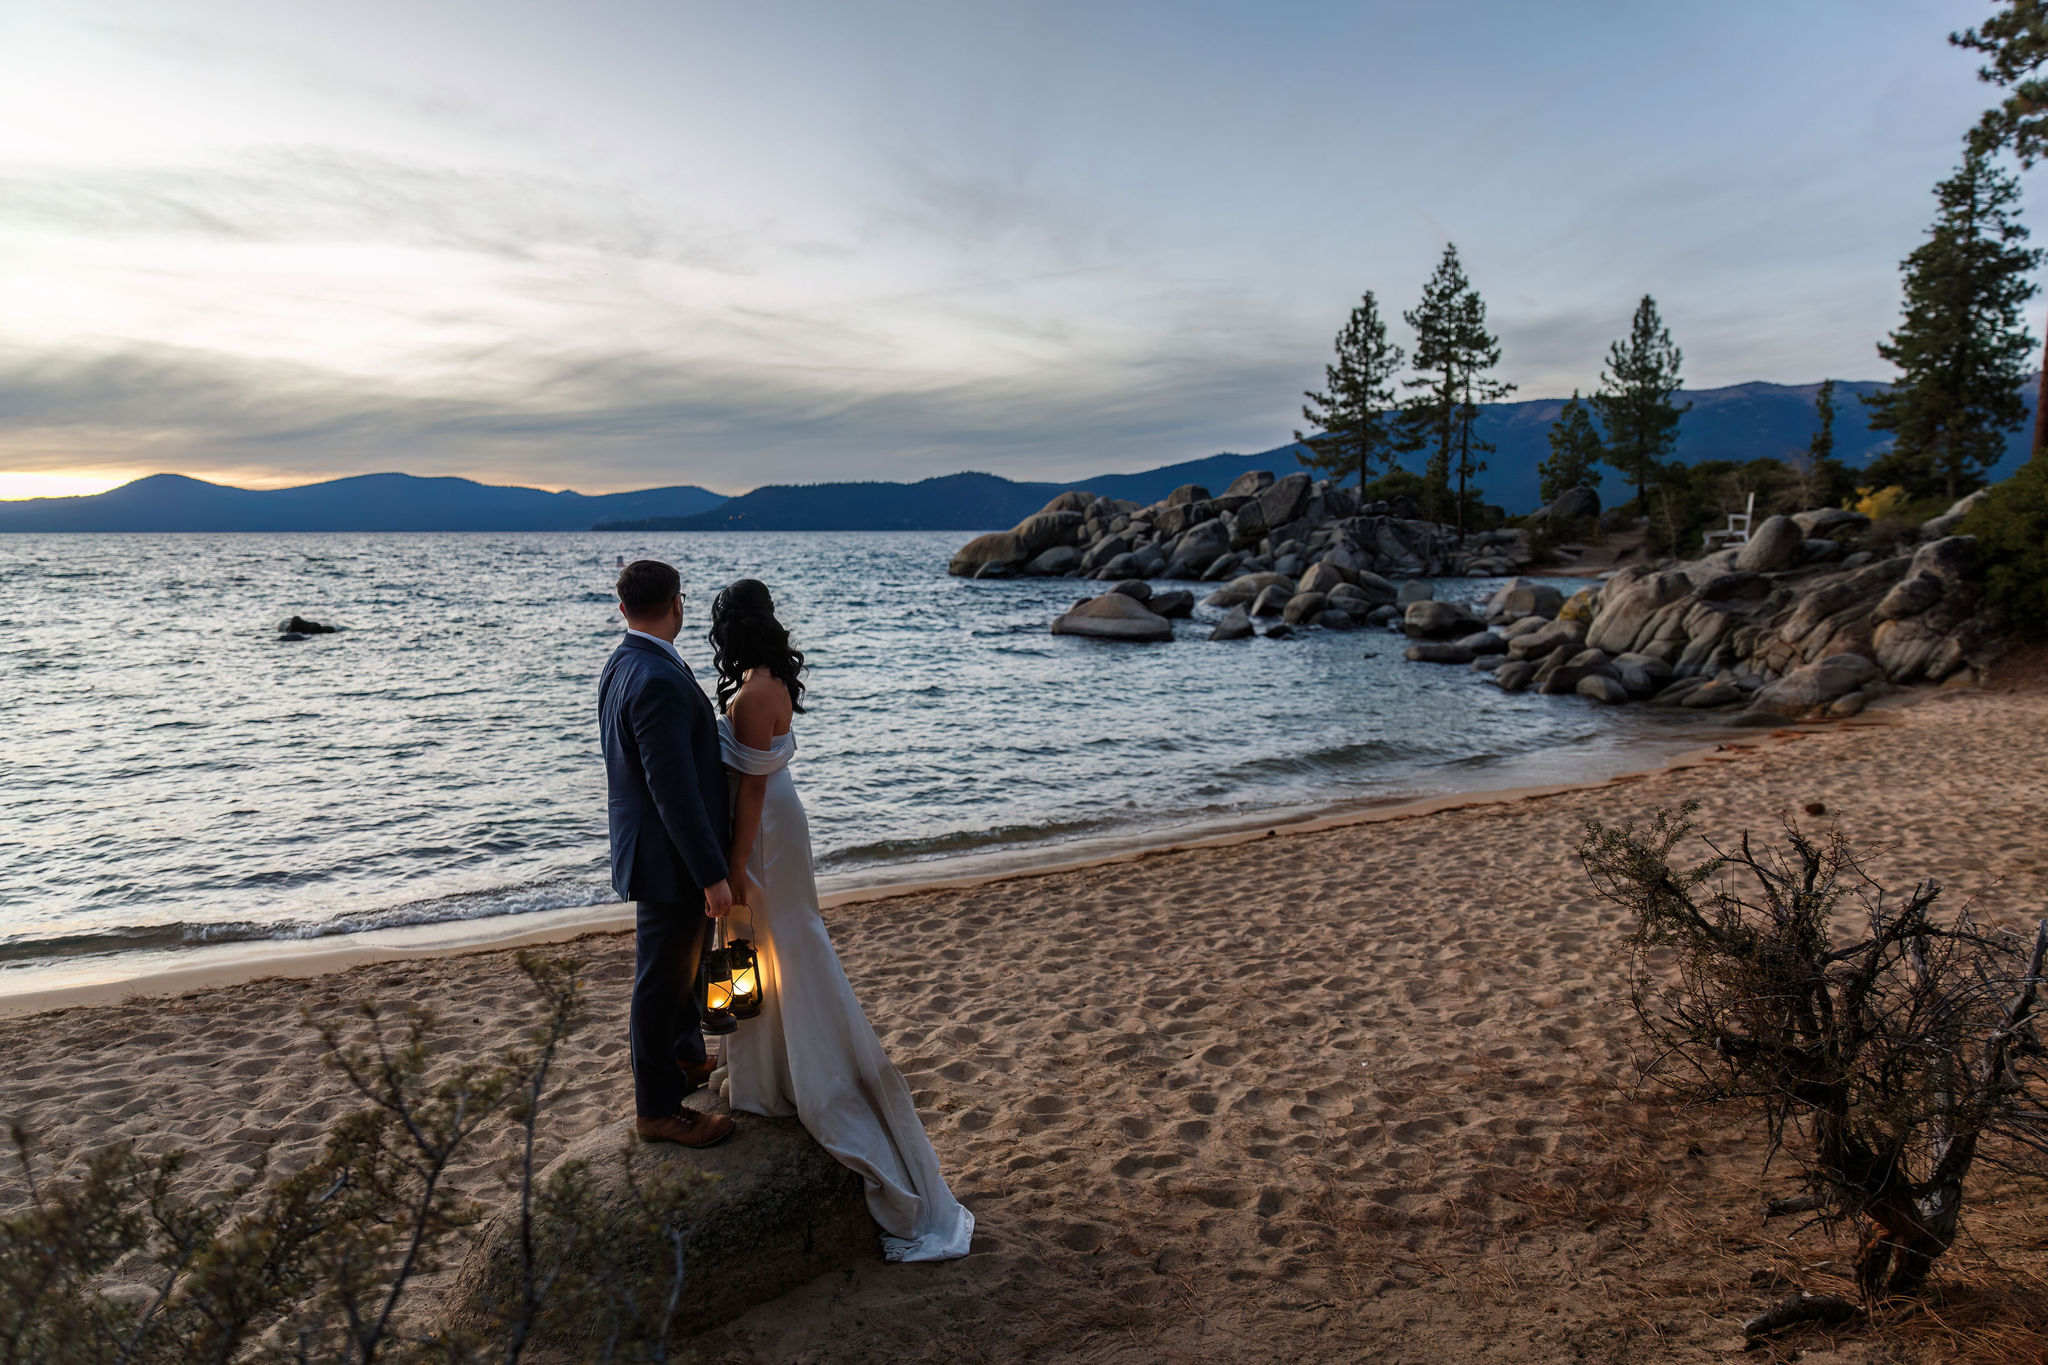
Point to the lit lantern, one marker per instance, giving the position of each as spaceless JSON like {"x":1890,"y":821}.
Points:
{"x":746,"y":978}
{"x":716,"y":1002}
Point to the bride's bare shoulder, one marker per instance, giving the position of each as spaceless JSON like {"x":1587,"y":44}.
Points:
{"x":761,"y":709}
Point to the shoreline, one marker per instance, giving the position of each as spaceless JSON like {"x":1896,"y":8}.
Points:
{"x":91,"y":980}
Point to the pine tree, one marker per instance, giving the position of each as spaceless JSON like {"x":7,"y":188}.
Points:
{"x":1634,"y":401}
{"x":1962,"y":348}
{"x":1824,"y":480}
{"x":1575,"y":452}
{"x":1454,"y":351}
{"x":1352,"y":417}
{"x":1429,"y":420}
{"x":2016,"y":41}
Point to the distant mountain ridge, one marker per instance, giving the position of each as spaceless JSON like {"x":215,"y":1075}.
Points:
{"x":366,"y":502}
{"x":1740,"y":422}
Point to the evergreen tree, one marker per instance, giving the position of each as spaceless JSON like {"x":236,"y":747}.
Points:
{"x":1454,"y":351}
{"x":1962,"y":349}
{"x":1634,"y":401}
{"x":1575,"y":452}
{"x":1824,"y":481}
{"x":1352,"y":417}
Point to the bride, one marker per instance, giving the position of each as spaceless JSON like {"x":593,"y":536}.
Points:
{"x":811,"y":1052}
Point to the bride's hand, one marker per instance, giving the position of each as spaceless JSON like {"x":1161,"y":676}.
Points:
{"x":743,"y":889}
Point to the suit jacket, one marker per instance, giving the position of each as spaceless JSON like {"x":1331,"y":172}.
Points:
{"x":666,"y":783}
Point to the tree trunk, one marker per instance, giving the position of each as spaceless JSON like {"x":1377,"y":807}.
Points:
{"x":1905,"y":1240}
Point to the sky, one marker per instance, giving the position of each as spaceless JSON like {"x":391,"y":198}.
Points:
{"x":630,"y":243}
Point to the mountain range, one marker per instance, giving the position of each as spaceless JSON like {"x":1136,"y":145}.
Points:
{"x":1741,"y":422}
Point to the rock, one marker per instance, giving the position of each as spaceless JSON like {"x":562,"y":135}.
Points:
{"x":1485,"y":642}
{"x":301,"y":627}
{"x":1377,"y":590}
{"x":1431,"y":620}
{"x":1336,"y":618}
{"x":1821,"y":551}
{"x":1282,"y":631}
{"x":1415,"y":590}
{"x":1713,"y":693}
{"x":1137,"y":589}
{"x":1187,"y":493}
{"x":1519,"y":597}
{"x":1528,"y":625}
{"x":1173,"y":604}
{"x":1056,"y":562}
{"x":1910,"y":597}
{"x":1125,"y":565}
{"x":1441,"y":653}
{"x":1178,"y":517}
{"x":997,"y":547}
{"x":1954,"y":558}
{"x":1773,"y":547}
{"x":1249,"y":484}
{"x":1552,"y":635}
{"x":1223,"y":569}
{"x":996,"y":568}
{"x":1575,"y":504}
{"x":1946,"y":523}
{"x":1271,"y":601}
{"x":1283,"y":502}
{"x":1602,"y":688}
{"x":1847,"y":705}
{"x":1303,"y":606}
{"x":1288,"y":564}
{"x":1113,"y":616}
{"x":1047,"y":529}
{"x":1382,"y":614}
{"x":1235,"y":625}
{"x":1514,"y":675}
{"x":1324,"y":578}
{"x":1734,"y":587}
{"x":1830,"y":523}
{"x":1247,"y":587}
{"x":781,"y":1213}
{"x":1194,"y":552}
{"x":1627,"y":603}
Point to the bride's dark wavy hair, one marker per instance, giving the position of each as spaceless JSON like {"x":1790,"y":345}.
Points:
{"x":745,"y":634}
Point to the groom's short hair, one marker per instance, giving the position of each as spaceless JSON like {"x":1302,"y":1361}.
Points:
{"x":647,"y":586}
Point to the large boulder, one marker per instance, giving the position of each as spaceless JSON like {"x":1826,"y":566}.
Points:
{"x":1272,"y":601}
{"x":1575,"y":504}
{"x":1187,"y":493}
{"x":1235,"y":625}
{"x":1304,"y":606}
{"x":1044,"y":530}
{"x":1284,"y":501}
{"x":1628,"y":602}
{"x":1547,"y":639}
{"x":1520,"y":597}
{"x":1830,"y":523}
{"x":1431,"y":620}
{"x":1946,"y":523}
{"x":1773,"y":547}
{"x":1249,"y":484}
{"x":1323,"y":577}
{"x":1173,"y":604}
{"x":1413,"y":591}
{"x":1247,"y":587}
{"x":1200,"y":547}
{"x":1059,"y":560}
{"x":780,"y":1212}
{"x":1114,"y":616}
{"x":1812,"y":687}
{"x":997,"y":547}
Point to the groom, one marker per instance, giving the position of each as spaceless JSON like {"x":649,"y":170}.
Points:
{"x":669,"y":825}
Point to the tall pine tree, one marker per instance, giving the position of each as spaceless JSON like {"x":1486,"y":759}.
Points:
{"x":1453,"y":352}
{"x":1352,"y":417}
{"x":1634,"y":401}
{"x":1575,"y":452}
{"x":1823,"y":480}
{"x":1962,"y":349}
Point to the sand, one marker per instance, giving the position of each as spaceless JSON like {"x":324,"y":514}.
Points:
{"x":1345,"y":1094}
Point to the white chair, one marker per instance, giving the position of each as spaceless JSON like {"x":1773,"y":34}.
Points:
{"x":1736,"y":532}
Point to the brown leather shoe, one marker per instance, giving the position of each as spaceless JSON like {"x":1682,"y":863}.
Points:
{"x":691,"y":1128}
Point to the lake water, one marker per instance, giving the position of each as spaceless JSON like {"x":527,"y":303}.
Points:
{"x":171,"y":773}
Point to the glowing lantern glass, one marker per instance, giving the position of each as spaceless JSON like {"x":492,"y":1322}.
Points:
{"x":746,"y":978}
{"x":732,"y":983}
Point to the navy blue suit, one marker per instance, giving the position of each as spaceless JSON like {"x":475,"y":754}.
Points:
{"x":669,"y":824}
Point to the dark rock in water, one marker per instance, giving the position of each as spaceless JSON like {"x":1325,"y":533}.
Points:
{"x":781,"y":1213}
{"x":1176,"y":603}
{"x":1336,"y":618}
{"x":1514,"y":675}
{"x":1136,"y":588}
{"x":292,"y":635}
{"x":1002,"y":547}
{"x":299,"y":627}
{"x":1059,"y":560}
{"x":1271,"y":601}
{"x":1235,"y":625}
{"x":1602,"y":689}
{"x":1446,"y":653}
{"x":1114,"y":616}
{"x":1280,"y":632}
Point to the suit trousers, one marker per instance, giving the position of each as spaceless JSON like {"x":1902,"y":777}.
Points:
{"x":669,"y":938}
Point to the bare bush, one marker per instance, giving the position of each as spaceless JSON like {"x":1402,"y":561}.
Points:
{"x":1888,"y":1052}
{"x":315,"y":1266}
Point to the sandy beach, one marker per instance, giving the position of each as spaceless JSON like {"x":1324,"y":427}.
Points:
{"x":1355,"y":1092}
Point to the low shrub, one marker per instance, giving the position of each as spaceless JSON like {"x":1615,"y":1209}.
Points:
{"x":2011,"y":527}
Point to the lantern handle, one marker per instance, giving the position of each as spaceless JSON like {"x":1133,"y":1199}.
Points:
{"x":737,"y":906}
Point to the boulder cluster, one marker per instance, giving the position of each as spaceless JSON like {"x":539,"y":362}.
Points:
{"x":1798,"y":622}
{"x":1258,"y":525}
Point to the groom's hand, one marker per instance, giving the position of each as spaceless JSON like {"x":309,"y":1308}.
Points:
{"x":717,"y":900}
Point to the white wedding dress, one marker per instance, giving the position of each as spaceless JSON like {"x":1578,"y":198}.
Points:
{"x":811,"y":1052}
